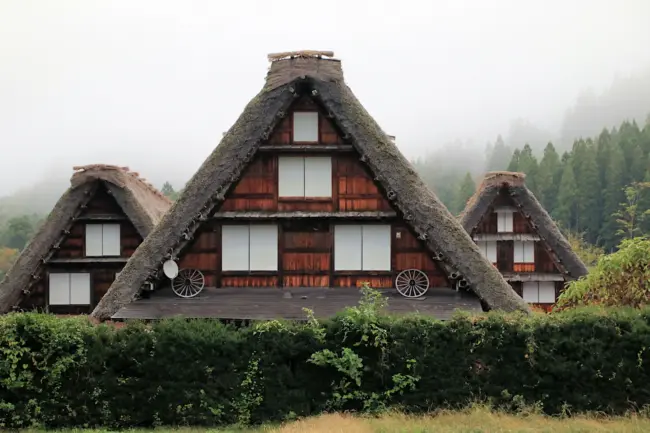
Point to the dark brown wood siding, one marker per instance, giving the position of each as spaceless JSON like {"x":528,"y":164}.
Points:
{"x":306,"y":246}
{"x":102,"y":208}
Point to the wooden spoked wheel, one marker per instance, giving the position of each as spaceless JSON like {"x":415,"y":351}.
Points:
{"x":188,"y":283}
{"x":412,"y":283}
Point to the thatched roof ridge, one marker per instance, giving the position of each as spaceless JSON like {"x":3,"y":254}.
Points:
{"x":322,"y":79}
{"x":143,"y":204}
{"x":481,"y":203}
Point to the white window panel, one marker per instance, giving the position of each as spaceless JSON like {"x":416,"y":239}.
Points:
{"x":546,"y":292}
{"x":234,"y":248}
{"x":80,"y":289}
{"x":59,"y":289}
{"x":347,"y":247}
{"x":291,"y":176}
{"x":504,"y":220}
{"x":94,"y":243}
{"x":318,"y":176}
{"x":491,"y":251}
{"x":375,"y":247}
{"x":530,"y":291}
{"x":305,"y":127}
{"x":524,"y":252}
{"x":263,"y":248}
{"x":529,"y":252}
{"x":519,"y":252}
{"x":111,"y":240}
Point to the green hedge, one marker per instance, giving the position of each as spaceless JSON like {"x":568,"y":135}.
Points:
{"x":67,"y":372}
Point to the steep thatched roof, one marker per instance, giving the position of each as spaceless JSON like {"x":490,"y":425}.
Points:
{"x":143,"y":204}
{"x":481,"y":203}
{"x":322,"y":79}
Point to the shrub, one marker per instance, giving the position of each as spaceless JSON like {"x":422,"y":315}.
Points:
{"x":620,"y":278}
{"x":58,"y":372}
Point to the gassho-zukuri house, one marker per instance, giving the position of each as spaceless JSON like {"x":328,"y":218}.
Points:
{"x":518,"y":236}
{"x":304,"y":199}
{"x":86,"y":239}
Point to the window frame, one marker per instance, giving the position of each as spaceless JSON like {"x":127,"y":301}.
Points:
{"x":363,"y":256}
{"x":103,"y":243}
{"x":524,"y":252}
{"x":302,"y":113}
{"x":227,"y":267}
{"x":292,"y":181}
{"x":69,"y":302}
{"x":483,"y":246}
{"x":537,"y":286}
{"x":505,"y":220}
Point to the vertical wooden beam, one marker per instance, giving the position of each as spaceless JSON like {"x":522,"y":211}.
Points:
{"x":280,"y":254}
{"x":217,"y":239}
{"x":331,"y":248}
{"x":335,"y":183}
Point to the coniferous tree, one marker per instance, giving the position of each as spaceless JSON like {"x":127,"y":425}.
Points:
{"x":499,"y":156}
{"x":589,"y":192}
{"x":565,"y":208}
{"x":549,"y":170}
{"x":528,"y":164}
{"x":612,"y":196}
{"x":465,"y":190}
{"x":514,"y":161}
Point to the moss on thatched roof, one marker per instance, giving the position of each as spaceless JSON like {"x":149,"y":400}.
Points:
{"x":143,"y":204}
{"x":322,"y":79}
{"x":514,"y":183}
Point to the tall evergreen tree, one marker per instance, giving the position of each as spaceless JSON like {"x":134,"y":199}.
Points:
{"x":612,"y":196}
{"x":549,"y":170}
{"x":499,"y":156}
{"x":589,"y":191}
{"x":514,"y":161}
{"x":565,"y":207}
{"x":465,"y":190}
{"x":528,"y":164}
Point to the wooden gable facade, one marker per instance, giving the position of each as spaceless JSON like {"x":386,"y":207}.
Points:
{"x":304,"y":200}
{"x":84,"y":264}
{"x":507,"y":231}
{"x":294,"y":235}
{"x":84,"y":242}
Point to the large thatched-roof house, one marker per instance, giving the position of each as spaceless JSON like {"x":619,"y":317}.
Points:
{"x":520,"y":238}
{"x":85,"y":240}
{"x":304,"y":199}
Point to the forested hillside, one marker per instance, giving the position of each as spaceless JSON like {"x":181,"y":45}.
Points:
{"x":596,"y":186}
{"x":600,"y":188}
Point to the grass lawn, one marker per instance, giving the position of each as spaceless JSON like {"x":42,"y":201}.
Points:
{"x":471,"y":421}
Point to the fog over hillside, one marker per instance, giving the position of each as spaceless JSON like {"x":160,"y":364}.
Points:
{"x":153,"y":84}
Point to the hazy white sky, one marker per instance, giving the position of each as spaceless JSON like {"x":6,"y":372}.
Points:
{"x":152,"y":84}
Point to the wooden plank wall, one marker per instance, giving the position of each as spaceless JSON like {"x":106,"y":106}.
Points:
{"x":306,"y":253}
{"x":73,"y":247}
{"x":505,"y":249}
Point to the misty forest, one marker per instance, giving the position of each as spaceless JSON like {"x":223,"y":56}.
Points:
{"x":592,"y":176}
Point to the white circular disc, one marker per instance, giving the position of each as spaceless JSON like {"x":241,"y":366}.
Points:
{"x":170,"y":268}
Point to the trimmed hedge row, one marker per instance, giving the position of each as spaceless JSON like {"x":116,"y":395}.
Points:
{"x":67,"y":372}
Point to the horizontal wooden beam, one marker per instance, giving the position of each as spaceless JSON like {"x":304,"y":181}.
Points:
{"x":305,"y":148}
{"x":506,"y":237}
{"x":531,"y":276}
{"x":300,"y":214}
{"x":90,"y":260}
{"x":101,"y":217}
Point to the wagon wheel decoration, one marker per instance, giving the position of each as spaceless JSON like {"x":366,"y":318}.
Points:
{"x":188,"y":283}
{"x":412,"y":283}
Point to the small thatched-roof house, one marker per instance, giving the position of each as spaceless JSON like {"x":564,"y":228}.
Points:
{"x":516,"y":233}
{"x":85,"y":240}
{"x":305,"y":198}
